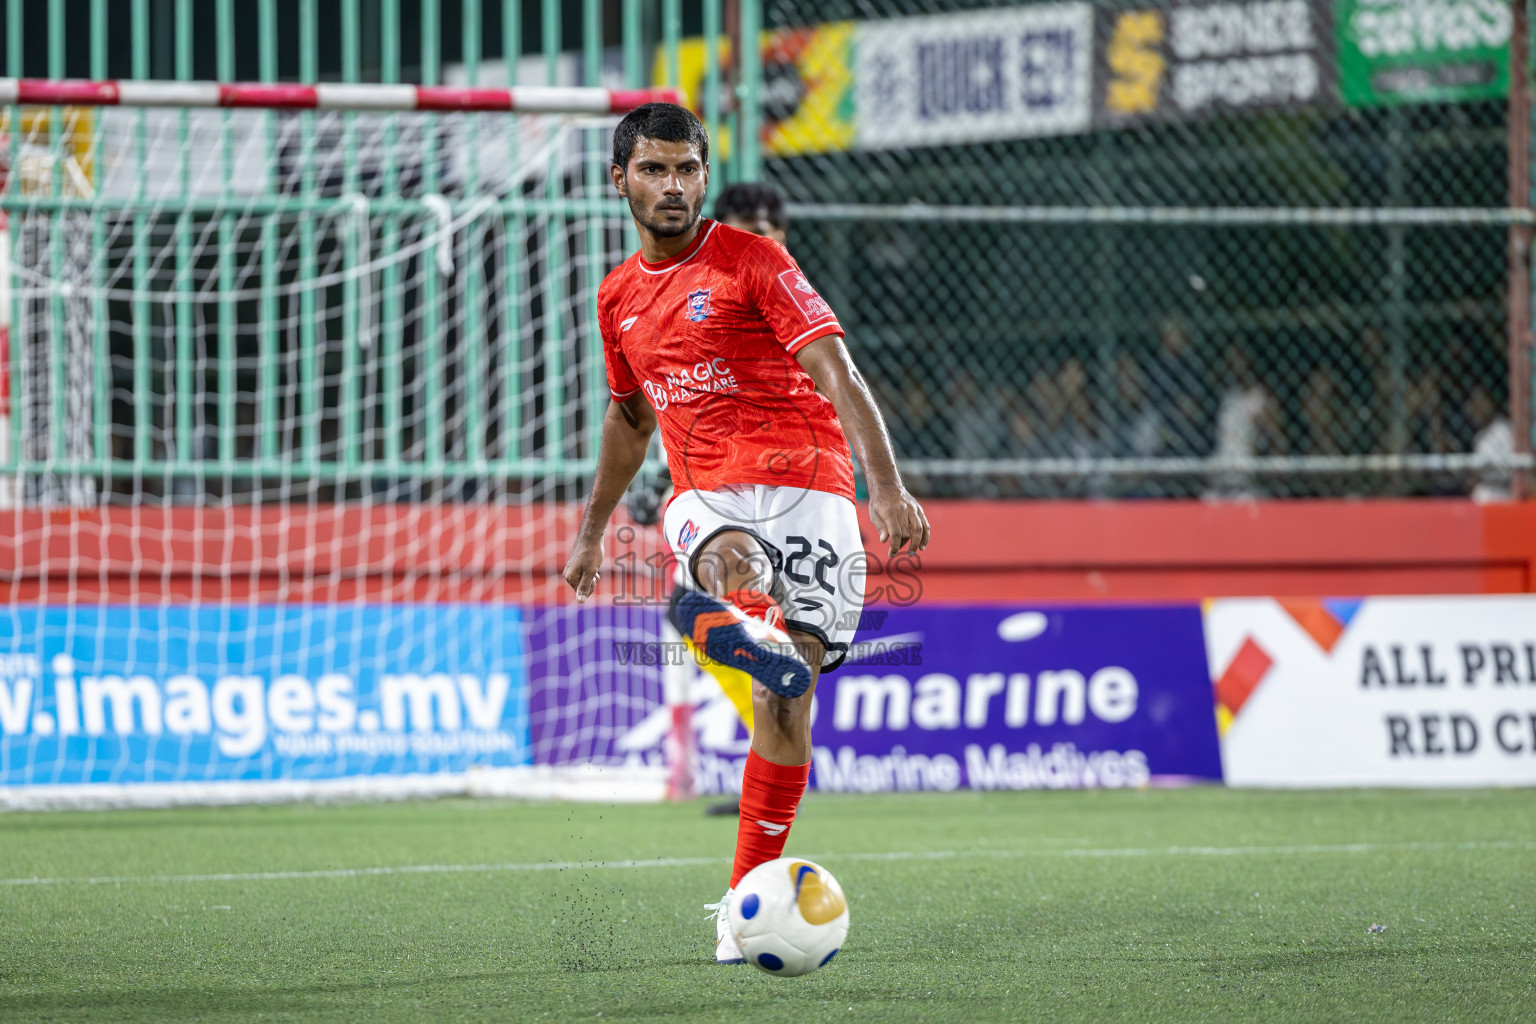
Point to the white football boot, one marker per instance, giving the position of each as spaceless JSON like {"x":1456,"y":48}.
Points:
{"x":726,"y":950}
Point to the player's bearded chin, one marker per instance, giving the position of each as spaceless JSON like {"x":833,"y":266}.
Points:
{"x":668,"y":229}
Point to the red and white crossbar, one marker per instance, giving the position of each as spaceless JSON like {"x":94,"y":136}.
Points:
{"x":271,"y":96}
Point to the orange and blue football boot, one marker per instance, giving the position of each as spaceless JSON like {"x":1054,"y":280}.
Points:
{"x":739,"y":644}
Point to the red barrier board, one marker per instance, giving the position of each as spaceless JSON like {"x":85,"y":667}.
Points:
{"x":982,"y":551}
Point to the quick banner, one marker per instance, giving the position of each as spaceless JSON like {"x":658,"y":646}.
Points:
{"x":1384,"y":691}
{"x":1008,"y":73}
{"x":989,"y":697}
{"x":200,"y":694}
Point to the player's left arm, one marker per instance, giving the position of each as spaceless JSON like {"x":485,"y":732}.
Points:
{"x":895,"y":513}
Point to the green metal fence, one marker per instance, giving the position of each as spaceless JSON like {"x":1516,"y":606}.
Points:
{"x":1311,"y":295}
{"x":249,"y":302}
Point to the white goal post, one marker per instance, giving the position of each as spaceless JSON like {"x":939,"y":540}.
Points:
{"x":304,"y":386}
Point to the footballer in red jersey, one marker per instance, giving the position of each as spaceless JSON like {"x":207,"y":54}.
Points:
{"x":715,"y":335}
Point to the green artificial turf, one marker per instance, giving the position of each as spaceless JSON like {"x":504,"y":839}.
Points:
{"x":1198,"y":904}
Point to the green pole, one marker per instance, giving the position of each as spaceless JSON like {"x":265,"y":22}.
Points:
{"x":749,"y":64}
{"x":672,"y":38}
{"x":592,"y":53}
{"x":634,"y":78}
{"x":311,"y":379}
{"x":186,"y":360}
{"x":270,"y":342}
{"x":143,"y":395}
{"x":431,"y":348}
{"x":103,"y":379}
{"x":514,"y":230}
{"x":228,"y":448}
{"x":392,"y":330}
{"x":14,"y":69}
{"x":712,"y":84}
{"x":354,"y":225}
{"x":58,"y":335}
{"x":554,"y":288}
{"x":470,"y":367}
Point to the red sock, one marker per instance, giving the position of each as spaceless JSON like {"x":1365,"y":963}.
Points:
{"x":758,"y":605}
{"x":770,"y":793}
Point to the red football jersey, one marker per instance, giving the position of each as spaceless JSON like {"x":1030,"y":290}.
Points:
{"x":710,"y":335}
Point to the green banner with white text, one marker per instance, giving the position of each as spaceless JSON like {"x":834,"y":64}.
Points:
{"x":1422,"y":51}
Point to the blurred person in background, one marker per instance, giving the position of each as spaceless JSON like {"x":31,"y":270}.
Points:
{"x":1247,"y":425}
{"x":755,"y":207}
{"x":1139,"y":424}
{"x":1179,"y":385}
{"x":1320,"y":408}
{"x":1074,"y":436}
{"x":1495,"y":440}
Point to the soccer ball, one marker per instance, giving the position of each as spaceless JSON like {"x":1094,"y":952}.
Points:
{"x":789,"y":916}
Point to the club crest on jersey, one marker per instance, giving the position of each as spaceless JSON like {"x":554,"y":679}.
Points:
{"x":686,"y":535}
{"x":698,"y":305}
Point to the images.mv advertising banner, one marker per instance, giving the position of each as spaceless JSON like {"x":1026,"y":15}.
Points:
{"x":190,"y":693}
{"x":1384,"y":691}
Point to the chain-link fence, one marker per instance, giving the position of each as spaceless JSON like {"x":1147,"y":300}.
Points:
{"x":1165,"y":248}
{"x":1159,"y":249}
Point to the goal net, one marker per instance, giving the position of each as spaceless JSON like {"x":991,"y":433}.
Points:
{"x":302,"y":405}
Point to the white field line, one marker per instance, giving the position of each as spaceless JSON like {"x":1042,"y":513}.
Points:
{"x":690,"y":862}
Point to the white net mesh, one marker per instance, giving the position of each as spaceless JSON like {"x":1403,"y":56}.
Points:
{"x":302,"y":411}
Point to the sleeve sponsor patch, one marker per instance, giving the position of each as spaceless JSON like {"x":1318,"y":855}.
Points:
{"x":812,"y":305}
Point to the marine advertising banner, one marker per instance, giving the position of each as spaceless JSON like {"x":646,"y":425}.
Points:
{"x":200,"y":694}
{"x":1384,"y":691}
{"x":989,"y":697}
{"x":1179,"y":62}
{"x":1423,"y":51}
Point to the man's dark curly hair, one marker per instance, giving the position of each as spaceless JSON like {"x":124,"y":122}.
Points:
{"x":747,"y":199}
{"x":664,"y":122}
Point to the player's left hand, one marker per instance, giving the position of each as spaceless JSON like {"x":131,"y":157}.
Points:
{"x":900,"y":520}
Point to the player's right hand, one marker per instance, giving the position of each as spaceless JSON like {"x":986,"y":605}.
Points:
{"x":582,"y":570}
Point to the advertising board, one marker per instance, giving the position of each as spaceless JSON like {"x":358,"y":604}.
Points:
{"x":1384,"y":691}
{"x":959,"y":78}
{"x":1178,"y":62}
{"x":201,"y":694}
{"x":1423,"y":51}
{"x":989,"y":697}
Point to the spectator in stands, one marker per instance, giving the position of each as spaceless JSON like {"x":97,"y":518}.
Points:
{"x":978,"y":417}
{"x":1179,"y":386}
{"x":1426,"y":416}
{"x":1495,"y":440}
{"x":1139,"y":424}
{"x":1383,"y":417}
{"x":1247,"y":425}
{"x":1073,"y":433}
{"x":1320,"y":404}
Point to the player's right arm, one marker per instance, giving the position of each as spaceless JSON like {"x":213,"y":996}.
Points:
{"x":627,"y":428}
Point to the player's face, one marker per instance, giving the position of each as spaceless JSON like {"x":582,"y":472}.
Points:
{"x":664,"y":183}
{"x":759,"y":225}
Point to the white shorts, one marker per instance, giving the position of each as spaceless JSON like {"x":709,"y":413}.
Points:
{"x":811,"y":539}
